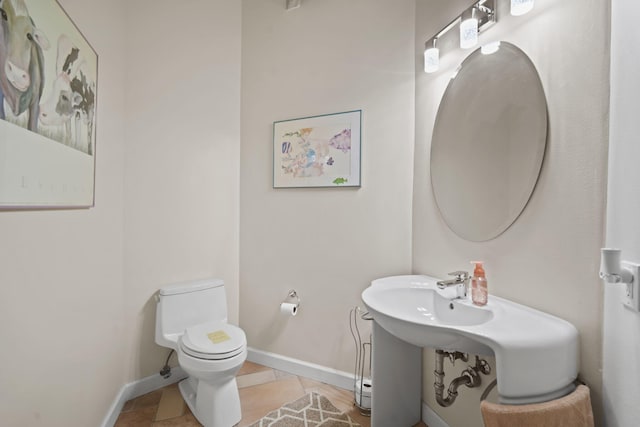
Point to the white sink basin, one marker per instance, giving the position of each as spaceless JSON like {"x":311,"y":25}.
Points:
{"x":536,"y":353}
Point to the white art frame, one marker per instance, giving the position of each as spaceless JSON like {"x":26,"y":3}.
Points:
{"x":47,"y":147}
{"x":318,"y":151}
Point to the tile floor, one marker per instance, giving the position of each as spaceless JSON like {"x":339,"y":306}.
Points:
{"x":262,"y":390}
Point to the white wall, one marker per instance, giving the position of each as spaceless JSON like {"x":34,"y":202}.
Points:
{"x":327,"y":56}
{"x":621,"y":343}
{"x":549,"y":258}
{"x":61,"y":278}
{"x":182,"y":158}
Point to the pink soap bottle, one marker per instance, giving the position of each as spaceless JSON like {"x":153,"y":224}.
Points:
{"x":479,"y":290}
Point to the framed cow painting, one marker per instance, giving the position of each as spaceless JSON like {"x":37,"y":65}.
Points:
{"x":48,"y":80}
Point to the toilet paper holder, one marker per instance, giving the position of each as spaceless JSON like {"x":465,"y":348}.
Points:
{"x":292,"y":297}
{"x":291,"y":304}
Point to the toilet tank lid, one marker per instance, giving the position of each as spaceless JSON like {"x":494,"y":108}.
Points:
{"x":192,"y":286}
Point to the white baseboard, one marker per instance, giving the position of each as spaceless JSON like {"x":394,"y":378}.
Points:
{"x":430,"y":417}
{"x":298,"y":367}
{"x":138,"y":388}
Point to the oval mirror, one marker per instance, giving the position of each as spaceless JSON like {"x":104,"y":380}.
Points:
{"x":488,"y":142}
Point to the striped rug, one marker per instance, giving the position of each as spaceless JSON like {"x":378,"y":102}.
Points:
{"x":312,"y":410}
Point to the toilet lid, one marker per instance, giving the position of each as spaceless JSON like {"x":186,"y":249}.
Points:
{"x":213,"y":340}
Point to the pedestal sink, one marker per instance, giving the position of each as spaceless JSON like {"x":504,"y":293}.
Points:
{"x":536,"y":353}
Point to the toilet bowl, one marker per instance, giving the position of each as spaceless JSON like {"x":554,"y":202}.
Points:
{"x":192,"y":319}
{"x":211,"y":390}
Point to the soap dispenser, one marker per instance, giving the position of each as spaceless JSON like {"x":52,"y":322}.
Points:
{"x":479,"y":290}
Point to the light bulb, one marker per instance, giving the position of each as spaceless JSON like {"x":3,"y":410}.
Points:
{"x":431,"y":60}
{"x":468,"y":33}
{"x":520,"y":7}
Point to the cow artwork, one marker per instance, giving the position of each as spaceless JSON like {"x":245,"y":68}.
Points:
{"x":48,"y":85}
{"x":71,"y":101}
{"x":21,"y":61}
{"x":27,"y":77}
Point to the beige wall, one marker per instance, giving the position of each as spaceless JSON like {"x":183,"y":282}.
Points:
{"x":170,"y":174}
{"x":327,"y":56}
{"x":182,"y":158}
{"x":61,"y":279}
{"x":549,"y":258}
{"x":77,"y":302}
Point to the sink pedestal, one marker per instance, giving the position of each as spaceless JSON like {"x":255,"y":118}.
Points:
{"x":397,"y":381}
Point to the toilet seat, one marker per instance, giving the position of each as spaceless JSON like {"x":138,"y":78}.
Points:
{"x":213,"y":341}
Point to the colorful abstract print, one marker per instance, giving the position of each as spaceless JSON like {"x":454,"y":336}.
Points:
{"x":308,"y":152}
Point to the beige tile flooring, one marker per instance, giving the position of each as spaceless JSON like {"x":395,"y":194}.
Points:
{"x":262,"y":390}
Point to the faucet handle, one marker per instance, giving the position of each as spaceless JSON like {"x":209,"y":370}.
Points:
{"x":460,"y":275}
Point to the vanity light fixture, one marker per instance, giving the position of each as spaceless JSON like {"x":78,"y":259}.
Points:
{"x":469,"y":31}
{"x":431,"y":57}
{"x":432,"y":53}
{"x":520,"y":7}
{"x":477,"y":18}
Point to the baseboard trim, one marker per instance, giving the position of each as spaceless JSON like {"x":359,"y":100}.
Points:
{"x":431,"y":418}
{"x":298,"y":367}
{"x":138,"y":388}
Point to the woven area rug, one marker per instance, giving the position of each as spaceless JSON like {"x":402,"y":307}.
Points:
{"x":312,"y":410}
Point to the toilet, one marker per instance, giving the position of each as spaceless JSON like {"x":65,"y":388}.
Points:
{"x":191,"y":318}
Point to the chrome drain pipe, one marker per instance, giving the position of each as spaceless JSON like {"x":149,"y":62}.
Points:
{"x":470,"y":377}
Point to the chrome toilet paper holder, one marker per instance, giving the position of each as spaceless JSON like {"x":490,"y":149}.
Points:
{"x":291,"y":304}
{"x":292,"y":297}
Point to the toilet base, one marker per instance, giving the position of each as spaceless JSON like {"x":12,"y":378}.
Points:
{"x":213,"y":405}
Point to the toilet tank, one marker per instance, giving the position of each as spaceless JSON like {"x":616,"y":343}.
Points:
{"x":187,"y":304}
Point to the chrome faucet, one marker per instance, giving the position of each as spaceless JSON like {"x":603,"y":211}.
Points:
{"x":460,"y":281}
